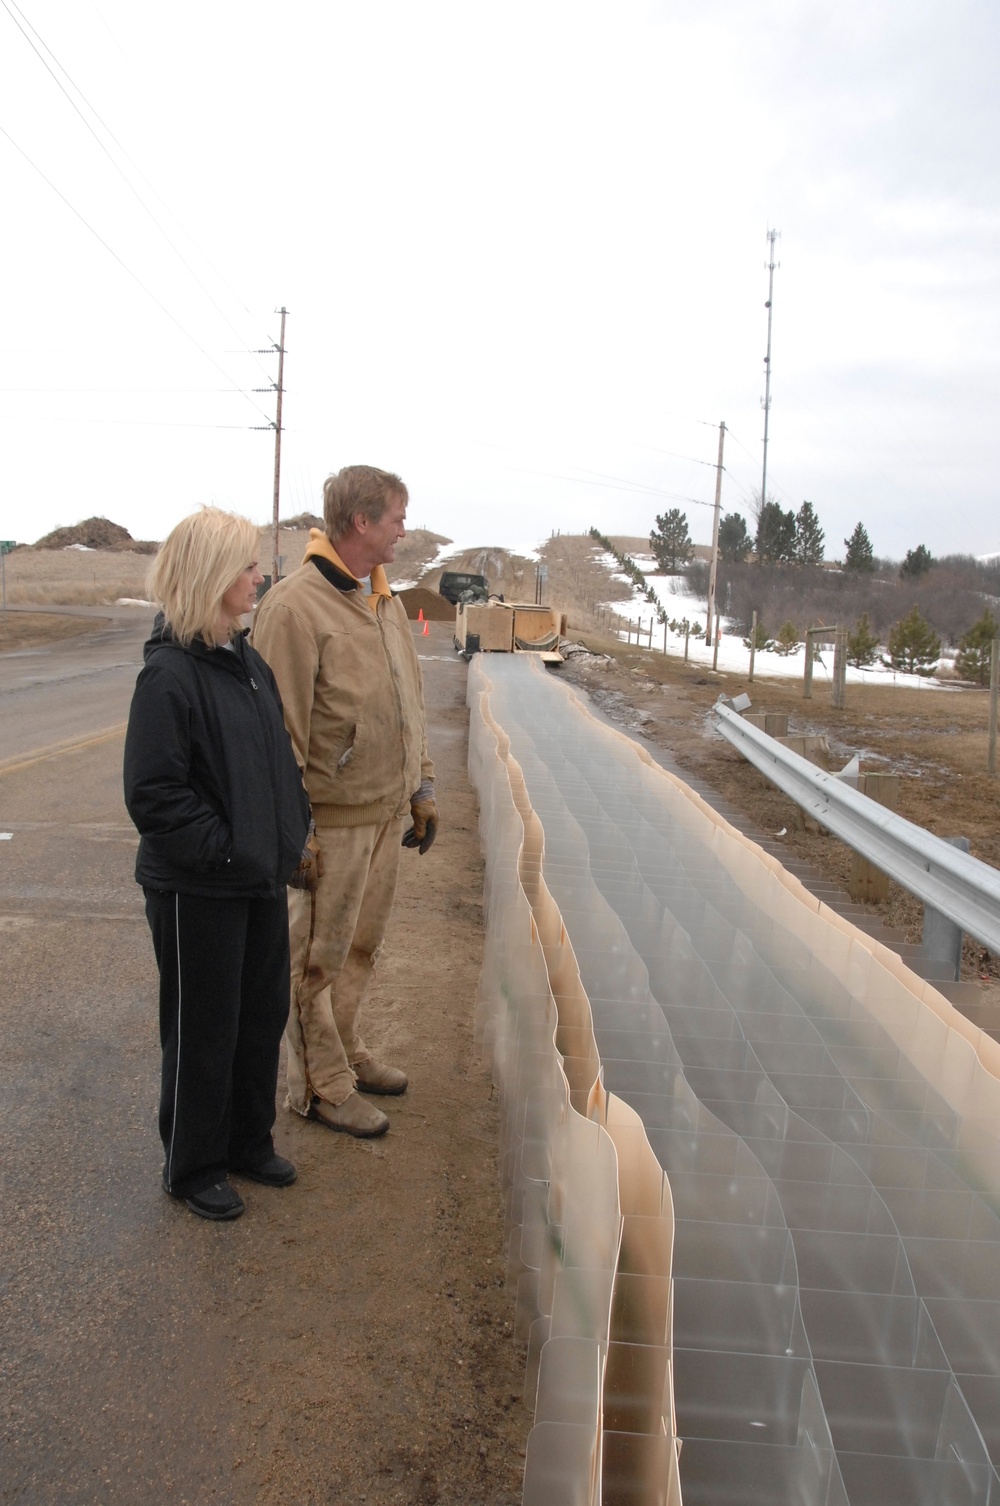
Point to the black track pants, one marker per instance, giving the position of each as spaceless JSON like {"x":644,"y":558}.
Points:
{"x":223,"y":1005}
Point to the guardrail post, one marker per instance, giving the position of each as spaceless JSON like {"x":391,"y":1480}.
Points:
{"x":868,"y":882}
{"x":774,"y":723}
{"x":942,"y":938}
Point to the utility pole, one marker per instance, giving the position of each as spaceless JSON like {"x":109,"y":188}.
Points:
{"x":772,"y":236}
{"x":279,"y":388}
{"x":275,"y":566}
{"x":714,"y":568}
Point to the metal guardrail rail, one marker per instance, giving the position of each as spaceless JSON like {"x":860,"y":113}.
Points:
{"x":958,"y":886}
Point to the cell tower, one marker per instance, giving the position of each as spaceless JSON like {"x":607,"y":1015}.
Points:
{"x":772,"y":236}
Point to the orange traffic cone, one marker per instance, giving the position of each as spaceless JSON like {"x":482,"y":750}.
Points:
{"x":426,"y":631}
{"x":420,"y":615}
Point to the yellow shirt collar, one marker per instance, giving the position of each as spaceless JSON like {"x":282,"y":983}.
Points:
{"x":320,"y":545}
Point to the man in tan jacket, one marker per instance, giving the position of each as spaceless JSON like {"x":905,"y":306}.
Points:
{"x":341,"y":650}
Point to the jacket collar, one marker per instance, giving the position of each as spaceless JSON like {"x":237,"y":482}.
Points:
{"x":319,"y":548}
{"x":162,"y":637}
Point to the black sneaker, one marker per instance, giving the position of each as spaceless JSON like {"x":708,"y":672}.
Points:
{"x":218,"y":1202}
{"x":274,"y":1172}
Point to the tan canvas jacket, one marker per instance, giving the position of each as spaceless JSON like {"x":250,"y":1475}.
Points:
{"x":351,"y":688}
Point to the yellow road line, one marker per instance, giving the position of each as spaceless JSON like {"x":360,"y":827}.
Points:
{"x":56,"y":750}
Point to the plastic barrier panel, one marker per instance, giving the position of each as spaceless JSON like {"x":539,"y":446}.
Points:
{"x":750,"y":1161}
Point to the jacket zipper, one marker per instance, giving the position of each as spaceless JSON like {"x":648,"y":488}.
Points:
{"x":399,"y":707}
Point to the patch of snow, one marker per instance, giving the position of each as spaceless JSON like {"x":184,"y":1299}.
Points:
{"x":132,"y":601}
{"x":455,"y":550}
{"x":734,"y":657}
{"x":81,"y":548}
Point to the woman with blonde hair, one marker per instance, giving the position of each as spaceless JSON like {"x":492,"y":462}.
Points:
{"x":213,"y":788}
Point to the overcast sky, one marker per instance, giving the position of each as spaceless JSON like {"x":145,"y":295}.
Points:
{"x":523,"y":249}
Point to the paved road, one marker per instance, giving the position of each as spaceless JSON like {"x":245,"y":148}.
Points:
{"x":100,"y":1327}
{"x":73,"y":689}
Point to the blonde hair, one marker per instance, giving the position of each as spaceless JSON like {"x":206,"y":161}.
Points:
{"x":197,"y":563}
{"x":358,"y":488}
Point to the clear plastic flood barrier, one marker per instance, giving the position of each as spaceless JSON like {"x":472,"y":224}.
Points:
{"x":750,"y":1161}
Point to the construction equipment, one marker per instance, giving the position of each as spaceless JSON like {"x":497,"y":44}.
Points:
{"x":502,"y":627}
{"x":463,"y":585}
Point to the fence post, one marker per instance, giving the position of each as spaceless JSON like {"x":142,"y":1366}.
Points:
{"x":651,"y":632}
{"x":838,"y":688}
{"x":994,"y":683}
{"x":753,"y":646}
{"x":687,"y":635}
{"x":664,"y":635}
{"x":807,"y":673}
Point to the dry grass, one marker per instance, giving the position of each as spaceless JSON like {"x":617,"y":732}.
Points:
{"x":73,"y":577}
{"x":19,"y":629}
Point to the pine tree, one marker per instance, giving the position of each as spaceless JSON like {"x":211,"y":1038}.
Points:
{"x":788,"y":640}
{"x":862,"y":645}
{"x":917,"y":562}
{"x":975,"y":650}
{"x":914,"y":647}
{"x":775,"y":542}
{"x":860,"y":555}
{"x":734,"y":540}
{"x":809,"y":537}
{"x":671,"y":542}
{"x":761,"y":641}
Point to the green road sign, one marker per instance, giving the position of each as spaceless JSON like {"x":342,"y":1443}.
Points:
{"x":6,"y":545}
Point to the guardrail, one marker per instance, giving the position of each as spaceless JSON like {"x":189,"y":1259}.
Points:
{"x":958,"y":886}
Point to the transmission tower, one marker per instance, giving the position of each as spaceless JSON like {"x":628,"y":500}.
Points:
{"x":770,"y":264}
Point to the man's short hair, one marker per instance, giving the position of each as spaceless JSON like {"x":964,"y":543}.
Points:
{"x":354,"y":489}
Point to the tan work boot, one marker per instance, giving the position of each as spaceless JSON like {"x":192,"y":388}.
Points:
{"x":376,"y":1077}
{"x":354,"y":1116}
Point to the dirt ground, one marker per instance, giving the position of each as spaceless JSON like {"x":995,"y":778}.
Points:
{"x":419,"y":1399}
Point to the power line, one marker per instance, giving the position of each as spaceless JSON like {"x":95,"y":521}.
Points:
{"x":80,"y":391}
{"x":693,"y":459}
{"x":134,"y":275}
{"x":7,"y":4}
{"x":142,"y":423}
{"x":611,"y":484}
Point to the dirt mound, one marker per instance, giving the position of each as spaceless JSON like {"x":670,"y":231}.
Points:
{"x":96,"y":533}
{"x":434,"y":607}
{"x":303,"y":520}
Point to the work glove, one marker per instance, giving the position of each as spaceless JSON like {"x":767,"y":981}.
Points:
{"x":310,"y":870}
{"x":425,"y":818}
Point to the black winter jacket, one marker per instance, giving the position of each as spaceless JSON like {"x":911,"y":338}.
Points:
{"x":210,"y":778}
